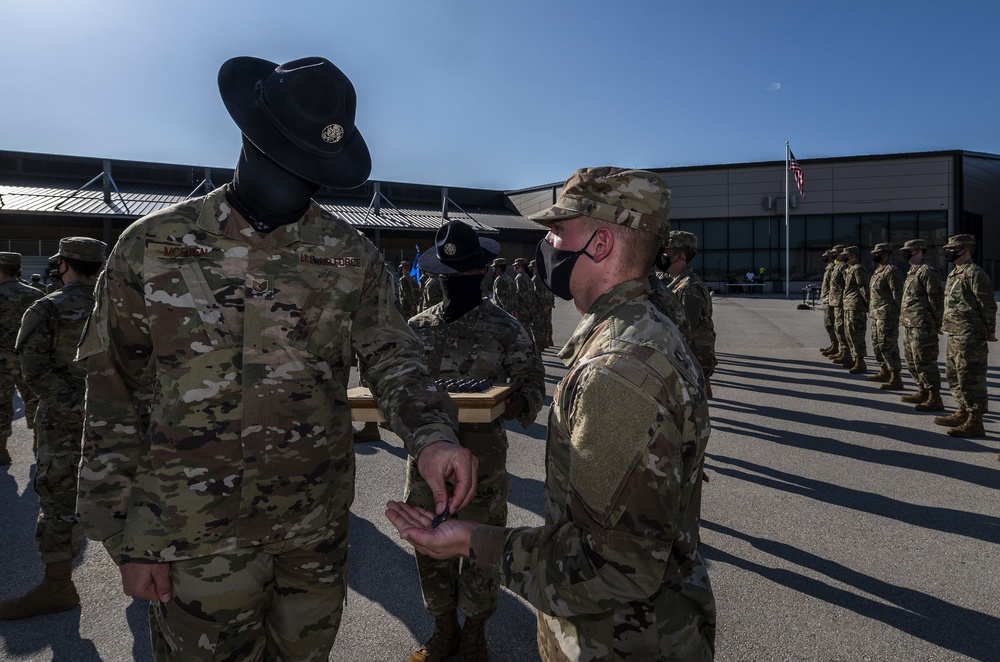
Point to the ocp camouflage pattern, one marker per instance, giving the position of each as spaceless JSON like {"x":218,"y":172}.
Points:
{"x":697,"y":302}
{"x":615,"y":571}
{"x":217,"y":412}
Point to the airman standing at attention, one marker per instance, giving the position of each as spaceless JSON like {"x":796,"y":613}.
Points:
{"x":15,"y":297}
{"x":430,"y":291}
{"x":835,"y":300}
{"x":855,"y":311}
{"x":46,"y":343}
{"x":970,"y":320}
{"x":829,"y":317}
{"x":504,"y":289}
{"x":527,"y":302}
{"x":409,"y":290}
{"x":920,"y":317}
{"x":883,"y":309}
{"x":546,"y":302}
{"x":680,"y":249}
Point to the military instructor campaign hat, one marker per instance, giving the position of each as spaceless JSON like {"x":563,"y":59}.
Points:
{"x":84,"y":249}
{"x":12,"y":259}
{"x":961,"y":241}
{"x":457,"y":248}
{"x":301,"y":115}
{"x":915,"y":244}
{"x":635,"y":198}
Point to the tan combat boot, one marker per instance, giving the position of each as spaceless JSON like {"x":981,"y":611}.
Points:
{"x":883,"y":375}
{"x":473,"y":647}
{"x":442,"y":644}
{"x":839,"y":356}
{"x":973,"y":427}
{"x":954,"y":420}
{"x":894,"y":383}
{"x":848,"y":361}
{"x":859,"y":367}
{"x":830,"y":350}
{"x":55,"y":593}
{"x":933,"y":401}
{"x":919,"y":396}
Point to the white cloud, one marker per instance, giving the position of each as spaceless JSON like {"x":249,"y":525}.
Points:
{"x":774,"y":87}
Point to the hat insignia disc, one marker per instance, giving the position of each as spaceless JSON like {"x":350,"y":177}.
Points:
{"x":450,"y":249}
{"x":333,"y":133}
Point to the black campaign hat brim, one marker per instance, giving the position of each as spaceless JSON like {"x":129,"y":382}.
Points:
{"x":346,"y":169}
{"x":430,"y":263}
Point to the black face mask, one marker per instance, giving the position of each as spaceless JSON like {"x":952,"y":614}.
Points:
{"x":878,"y":258}
{"x":952,"y":254}
{"x":266,"y":194}
{"x":461,"y":294}
{"x":555,"y":266}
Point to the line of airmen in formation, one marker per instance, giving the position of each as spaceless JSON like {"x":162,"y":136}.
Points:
{"x":964,"y":308}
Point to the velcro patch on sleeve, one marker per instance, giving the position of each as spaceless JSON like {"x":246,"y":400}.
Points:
{"x":613,"y":422}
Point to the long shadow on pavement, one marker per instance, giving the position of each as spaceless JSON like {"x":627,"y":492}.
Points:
{"x":920,"y":615}
{"x":948,"y":520}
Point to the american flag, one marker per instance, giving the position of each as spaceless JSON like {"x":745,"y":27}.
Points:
{"x":796,"y":169}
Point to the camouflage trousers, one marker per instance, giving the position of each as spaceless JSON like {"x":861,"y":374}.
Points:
{"x":885,"y":344}
{"x":545,"y":327}
{"x":830,"y":324}
{"x":965,"y":367}
{"x":839,"y":328}
{"x":453,"y":583}
{"x":58,"y":534}
{"x":10,"y":379}
{"x":921,"y":349}
{"x":636,"y":631}
{"x":280,"y":601}
{"x":855,"y":328}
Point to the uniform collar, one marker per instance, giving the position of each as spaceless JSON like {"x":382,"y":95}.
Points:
{"x":600,"y":310}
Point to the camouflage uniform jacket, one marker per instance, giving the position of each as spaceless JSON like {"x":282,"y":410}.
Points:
{"x":835,"y":293}
{"x":47,"y":344}
{"x":886,"y":293}
{"x":409,"y":295}
{"x":546,"y":299}
{"x":484,"y":343}
{"x":856,"y":288}
{"x":527,"y":303}
{"x":923,"y":298}
{"x":505,"y":293}
{"x":970,"y":306}
{"x":669,"y":304}
{"x":615,"y":570}
{"x":15,"y":298}
{"x":697,"y":302}
{"x":824,"y":290}
{"x":218,"y":363}
{"x":431,"y":292}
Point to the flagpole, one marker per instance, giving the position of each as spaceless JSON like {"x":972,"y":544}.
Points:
{"x":787,"y":248}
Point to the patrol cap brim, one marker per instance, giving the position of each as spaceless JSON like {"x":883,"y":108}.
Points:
{"x":554,"y":214}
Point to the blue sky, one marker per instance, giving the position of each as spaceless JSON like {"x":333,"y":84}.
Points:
{"x":514,"y":94}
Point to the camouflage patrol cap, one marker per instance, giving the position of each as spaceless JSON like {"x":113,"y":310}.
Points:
{"x":849,"y":250}
{"x":634,"y":198}
{"x":682,"y":239}
{"x":839,"y":248}
{"x":405,"y":264}
{"x":13,"y":259}
{"x":961,"y":241}
{"x":830,"y":252}
{"x":82,"y":248}
{"x":882,"y":248}
{"x":520,"y":262}
{"x":915,"y":244}
{"x":499,"y":262}
{"x":532,"y":264}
